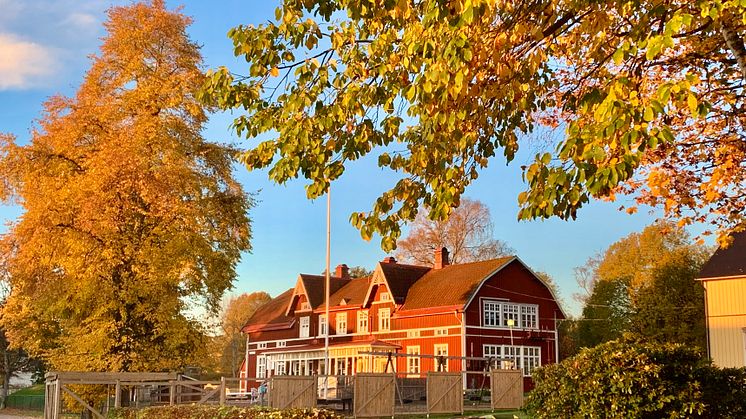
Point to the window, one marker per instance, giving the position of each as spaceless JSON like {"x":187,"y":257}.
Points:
{"x":413,"y":333}
{"x":529,"y":317}
{"x":385,"y":296}
{"x":305,"y":306}
{"x":531,"y":359}
{"x":261,"y":366}
{"x":322,"y":325}
{"x":491,"y":313}
{"x":525,"y":358}
{"x":280,"y":368}
{"x":511,"y":357}
{"x":510,"y":312}
{"x":281,"y":343}
{"x":341,"y":366}
{"x":441,"y":350}
{"x":441,"y":332}
{"x":362,"y":321}
{"x":384,"y":319}
{"x":413,"y":362}
{"x":305,"y":327}
{"x":261,"y":345}
{"x":502,"y":314}
{"x":341,"y":323}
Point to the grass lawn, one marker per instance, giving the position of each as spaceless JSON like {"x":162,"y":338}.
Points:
{"x":35,"y":390}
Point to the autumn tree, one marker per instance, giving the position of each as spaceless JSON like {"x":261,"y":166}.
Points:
{"x":645,"y":284}
{"x":130,"y":216}
{"x":648,"y":95}
{"x":467,"y":234}
{"x":360,"y":272}
{"x":237,"y":311}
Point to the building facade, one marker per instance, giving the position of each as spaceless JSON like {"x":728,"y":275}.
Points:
{"x":496,"y":308}
{"x":724,"y":280}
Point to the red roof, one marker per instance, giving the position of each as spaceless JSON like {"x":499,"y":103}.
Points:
{"x":452,"y":285}
{"x":353,"y":292}
{"x":314,"y":285}
{"x":418,"y":288}
{"x":271,"y":316}
{"x":401,"y":277}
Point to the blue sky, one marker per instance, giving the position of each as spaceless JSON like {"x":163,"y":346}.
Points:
{"x":44,"y":45}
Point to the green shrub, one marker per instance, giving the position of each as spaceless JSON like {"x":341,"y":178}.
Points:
{"x":626,"y":378}
{"x":220,"y":412}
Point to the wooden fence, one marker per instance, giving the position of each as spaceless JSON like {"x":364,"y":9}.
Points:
{"x":374,"y":395}
{"x":291,"y":391}
{"x":445,"y":392}
{"x":507,"y":389}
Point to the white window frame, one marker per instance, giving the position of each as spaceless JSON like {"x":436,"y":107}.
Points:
{"x":385,"y":296}
{"x":496,"y":314}
{"x":305,"y":306}
{"x":261,"y":366}
{"x":510,"y":311}
{"x":440,"y":349}
{"x":281,"y":344}
{"x":362,"y":322}
{"x":384,"y":322}
{"x":261,"y":345}
{"x":305,"y":327}
{"x":529,"y":316}
{"x":525,"y":358}
{"x":341,"y":324}
{"x":443,"y":331}
{"x":323,"y":325}
{"x":413,"y":362}
{"x":491,"y":316}
{"x":413,"y":333}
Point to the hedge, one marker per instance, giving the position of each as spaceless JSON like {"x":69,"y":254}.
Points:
{"x":220,"y":412}
{"x":628,"y":378}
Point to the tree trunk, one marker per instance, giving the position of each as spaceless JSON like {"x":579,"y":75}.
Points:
{"x":6,"y":381}
{"x":734,"y":42}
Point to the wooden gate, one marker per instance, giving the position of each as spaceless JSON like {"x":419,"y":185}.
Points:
{"x":507,"y":389}
{"x":445,"y":392}
{"x":292,"y":391}
{"x":374,"y":395}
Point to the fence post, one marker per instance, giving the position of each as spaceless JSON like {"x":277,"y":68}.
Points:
{"x":118,"y":395}
{"x":171,"y":393}
{"x":57,"y":399}
{"x":222,"y":391}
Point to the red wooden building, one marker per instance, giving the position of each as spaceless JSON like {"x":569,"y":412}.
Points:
{"x":497,"y":308}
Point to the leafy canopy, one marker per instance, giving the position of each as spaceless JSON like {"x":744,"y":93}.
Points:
{"x":130,"y":216}
{"x":645,"y":283}
{"x":648,"y":94}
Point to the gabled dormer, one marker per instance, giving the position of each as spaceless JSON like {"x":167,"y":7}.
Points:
{"x":299,"y":301}
{"x":391,"y":282}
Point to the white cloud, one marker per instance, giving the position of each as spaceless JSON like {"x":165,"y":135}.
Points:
{"x":24,"y":64}
{"x":82,"y":21}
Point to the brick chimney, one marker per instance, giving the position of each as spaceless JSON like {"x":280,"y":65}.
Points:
{"x":441,"y":258}
{"x":342,"y":271}
{"x":389,"y":259}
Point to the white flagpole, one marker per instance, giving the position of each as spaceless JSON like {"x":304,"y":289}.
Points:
{"x":327,"y":368}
